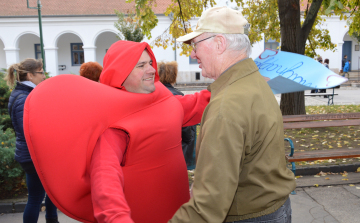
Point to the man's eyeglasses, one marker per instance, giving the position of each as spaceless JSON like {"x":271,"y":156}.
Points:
{"x":193,"y":45}
{"x":40,"y":72}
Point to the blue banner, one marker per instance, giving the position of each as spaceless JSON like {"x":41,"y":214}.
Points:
{"x":290,"y":72}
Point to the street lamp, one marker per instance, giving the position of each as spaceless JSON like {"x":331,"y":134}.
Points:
{"x":40,"y":29}
{"x":171,"y":17}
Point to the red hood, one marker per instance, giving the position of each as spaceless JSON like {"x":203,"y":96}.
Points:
{"x":121,"y":59}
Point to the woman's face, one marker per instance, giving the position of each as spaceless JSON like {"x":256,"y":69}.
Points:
{"x":37,"y":76}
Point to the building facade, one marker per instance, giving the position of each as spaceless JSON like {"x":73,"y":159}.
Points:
{"x":74,"y":33}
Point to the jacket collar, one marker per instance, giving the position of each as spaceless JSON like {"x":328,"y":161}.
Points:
{"x":23,"y":87}
{"x":237,"y":71}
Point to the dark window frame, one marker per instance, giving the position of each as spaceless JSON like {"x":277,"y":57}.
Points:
{"x":36,"y":51}
{"x":77,"y":52}
{"x":192,"y":61}
{"x":271,"y":42}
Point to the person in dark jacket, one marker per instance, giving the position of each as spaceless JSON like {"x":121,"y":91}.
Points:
{"x":343,"y":61}
{"x":168,"y":73}
{"x":326,"y":64}
{"x":27,"y":74}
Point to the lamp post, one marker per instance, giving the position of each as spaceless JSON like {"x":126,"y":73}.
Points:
{"x":40,"y":29}
{"x":171,"y":16}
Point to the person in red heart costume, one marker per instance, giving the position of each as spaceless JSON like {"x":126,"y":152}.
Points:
{"x":111,"y":151}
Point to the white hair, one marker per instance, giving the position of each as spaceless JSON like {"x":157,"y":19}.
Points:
{"x":236,"y":42}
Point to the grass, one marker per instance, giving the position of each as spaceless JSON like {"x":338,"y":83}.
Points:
{"x":347,"y":137}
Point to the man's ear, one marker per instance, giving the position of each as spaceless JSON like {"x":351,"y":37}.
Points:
{"x":220,"y":41}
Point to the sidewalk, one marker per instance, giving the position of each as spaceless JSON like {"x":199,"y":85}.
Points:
{"x":333,"y":201}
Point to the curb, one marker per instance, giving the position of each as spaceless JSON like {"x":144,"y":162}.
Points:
{"x":15,"y":207}
{"x":335,"y":169}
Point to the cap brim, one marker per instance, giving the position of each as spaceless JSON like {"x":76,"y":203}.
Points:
{"x":188,"y":37}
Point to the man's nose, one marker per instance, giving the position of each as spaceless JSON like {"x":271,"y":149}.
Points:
{"x":151,"y":69}
{"x":193,"y":55}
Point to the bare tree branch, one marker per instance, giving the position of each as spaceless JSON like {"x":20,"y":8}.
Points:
{"x":311,"y":46}
{"x":182,"y":17}
{"x":355,"y":9}
{"x":310,"y":18}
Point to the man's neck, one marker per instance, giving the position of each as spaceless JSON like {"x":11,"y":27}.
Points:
{"x":229,"y":60}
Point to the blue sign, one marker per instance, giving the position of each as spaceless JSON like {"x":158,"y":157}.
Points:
{"x":290,"y":72}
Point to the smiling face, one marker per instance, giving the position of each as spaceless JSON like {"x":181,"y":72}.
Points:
{"x":141,"y":78}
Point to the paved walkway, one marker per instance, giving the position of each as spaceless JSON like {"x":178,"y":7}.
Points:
{"x":333,"y":201}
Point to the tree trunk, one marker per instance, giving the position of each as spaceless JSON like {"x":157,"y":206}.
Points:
{"x":289,"y":13}
{"x":293,"y":39}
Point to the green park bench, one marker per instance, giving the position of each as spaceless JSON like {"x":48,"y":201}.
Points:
{"x":330,"y":96}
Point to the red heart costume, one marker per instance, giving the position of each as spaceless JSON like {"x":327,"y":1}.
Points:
{"x":65,"y":115}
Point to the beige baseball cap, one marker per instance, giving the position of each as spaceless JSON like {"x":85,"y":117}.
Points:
{"x":217,"y":20}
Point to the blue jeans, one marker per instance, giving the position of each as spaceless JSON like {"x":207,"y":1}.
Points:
{"x":36,"y":196}
{"x":282,"y":215}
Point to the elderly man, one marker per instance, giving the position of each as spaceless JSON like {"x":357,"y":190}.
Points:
{"x":111,"y":152}
{"x":241,"y":173}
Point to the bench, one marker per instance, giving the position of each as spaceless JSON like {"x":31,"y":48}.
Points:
{"x":329,"y":95}
{"x":320,"y":121}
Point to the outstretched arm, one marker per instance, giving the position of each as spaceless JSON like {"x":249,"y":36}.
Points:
{"x":194,"y":105}
{"x":107,"y":179}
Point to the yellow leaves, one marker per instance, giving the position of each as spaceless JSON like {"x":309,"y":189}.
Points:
{"x":345,"y":179}
{"x":316,"y":185}
{"x":351,"y":185}
{"x":327,"y":178}
{"x":358,"y":170}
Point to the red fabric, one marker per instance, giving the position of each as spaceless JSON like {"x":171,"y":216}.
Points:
{"x":65,"y":115}
{"x":120,"y":60}
{"x":107,"y":178}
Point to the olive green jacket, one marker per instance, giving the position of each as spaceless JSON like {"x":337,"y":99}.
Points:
{"x":241,"y":170}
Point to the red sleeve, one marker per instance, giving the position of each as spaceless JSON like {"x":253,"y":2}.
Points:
{"x":194,"y":105}
{"x":107,"y":179}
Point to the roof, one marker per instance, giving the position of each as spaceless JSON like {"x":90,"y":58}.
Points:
{"x":73,"y":7}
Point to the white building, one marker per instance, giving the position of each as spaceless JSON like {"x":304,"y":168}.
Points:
{"x":78,"y":31}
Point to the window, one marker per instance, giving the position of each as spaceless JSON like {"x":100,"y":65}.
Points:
{"x":271,"y":44}
{"x":192,"y":61}
{"x":197,"y":76}
{"x":77,"y":54}
{"x":37,"y":51}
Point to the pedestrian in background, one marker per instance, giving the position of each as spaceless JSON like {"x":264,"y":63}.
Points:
{"x":91,"y":70}
{"x":347,"y":69}
{"x":27,"y":75}
{"x":343,"y":61}
{"x":168,"y":74}
{"x":326,"y":64}
{"x":319,"y":59}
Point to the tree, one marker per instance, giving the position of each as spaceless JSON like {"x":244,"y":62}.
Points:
{"x":276,"y":19}
{"x":129,"y":27}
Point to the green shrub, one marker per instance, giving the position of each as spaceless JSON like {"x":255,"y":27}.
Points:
{"x":5,"y":92}
{"x":11,"y":173}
